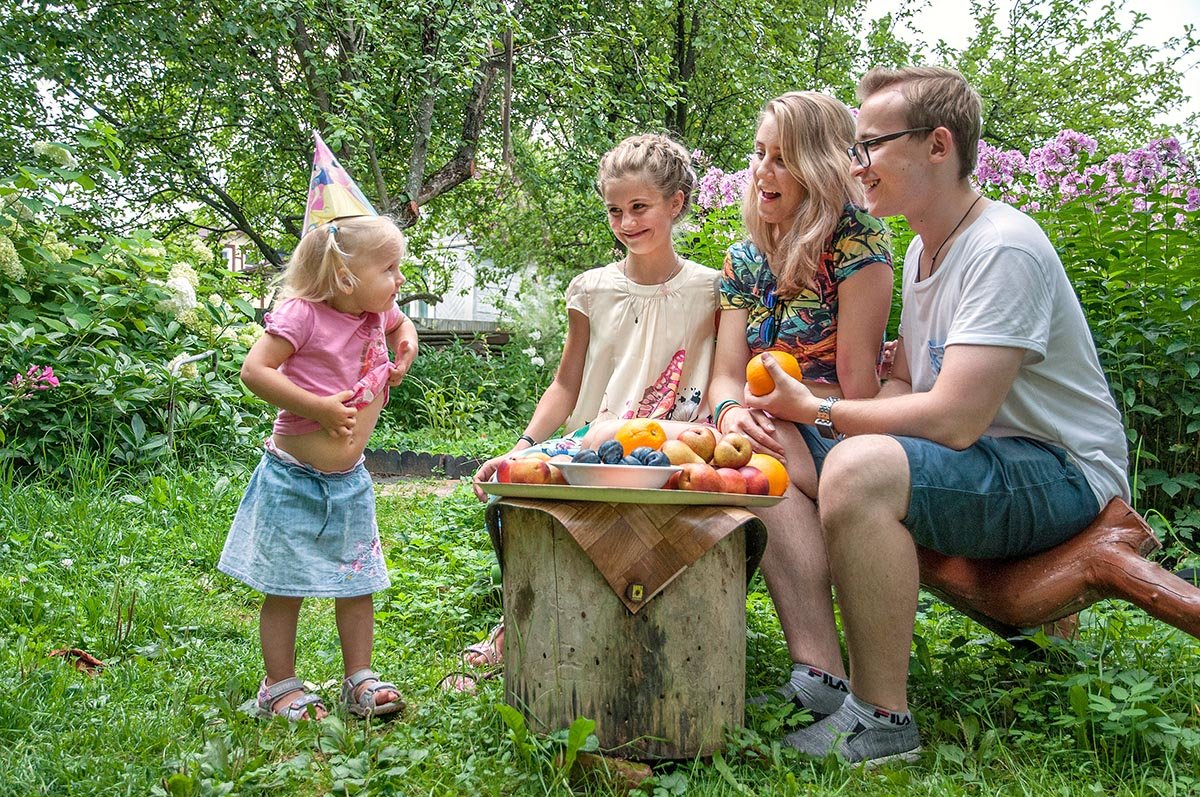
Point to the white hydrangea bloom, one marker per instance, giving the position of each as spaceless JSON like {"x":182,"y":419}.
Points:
{"x":154,"y":251}
{"x":56,"y":154}
{"x":10,"y":262}
{"x":203,"y":254}
{"x":182,"y":299}
{"x":250,"y":334}
{"x":189,"y":371}
{"x":195,"y":320}
{"x":59,"y":250}
{"x":185,"y":271}
{"x":216,"y":300}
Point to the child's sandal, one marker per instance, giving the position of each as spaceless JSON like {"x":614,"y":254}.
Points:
{"x":295,"y":711}
{"x":364,"y":704}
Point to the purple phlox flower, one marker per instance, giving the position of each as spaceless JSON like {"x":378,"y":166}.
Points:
{"x":710,"y":188}
{"x":1059,"y":156}
{"x":1193,"y":199}
{"x":719,"y":189}
{"x":997,"y":166}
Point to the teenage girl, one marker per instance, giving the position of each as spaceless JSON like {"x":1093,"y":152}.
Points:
{"x":640,"y":331}
{"x":306,"y":525}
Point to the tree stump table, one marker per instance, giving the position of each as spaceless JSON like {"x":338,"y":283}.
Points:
{"x":631,"y":615}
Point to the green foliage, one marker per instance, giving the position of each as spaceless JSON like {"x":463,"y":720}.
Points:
{"x":1062,"y":64}
{"x":1137,"y":273}
{"x":123,"y":567}
{"x":457,"y":391}
{"x":112,"y":315}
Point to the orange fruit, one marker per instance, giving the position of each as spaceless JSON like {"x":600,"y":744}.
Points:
{"x":759,"y":381}
{"x":774,"y":470}
{"x":640,"y":432}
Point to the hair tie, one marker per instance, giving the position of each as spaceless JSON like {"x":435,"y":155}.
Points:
{"x":332,"y":228}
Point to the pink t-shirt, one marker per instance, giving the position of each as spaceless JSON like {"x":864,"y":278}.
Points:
{"x":334,"y":351}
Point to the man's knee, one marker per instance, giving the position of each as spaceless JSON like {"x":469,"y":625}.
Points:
{"x":863,"y":475}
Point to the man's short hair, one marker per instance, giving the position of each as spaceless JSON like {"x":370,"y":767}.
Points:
{"x":936,"y":97}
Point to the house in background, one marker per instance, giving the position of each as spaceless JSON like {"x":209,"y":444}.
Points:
{"x":466,"y":310}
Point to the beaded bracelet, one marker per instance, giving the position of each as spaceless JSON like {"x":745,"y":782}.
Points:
{"x":527,"y":439}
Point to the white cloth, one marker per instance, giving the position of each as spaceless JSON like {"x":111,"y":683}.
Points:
{"x":1002,"y":284}
{"x":650,"y":347}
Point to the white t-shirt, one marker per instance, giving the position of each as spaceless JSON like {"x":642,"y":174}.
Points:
{"x":1002,"y":284}
{"x":650,"y":347}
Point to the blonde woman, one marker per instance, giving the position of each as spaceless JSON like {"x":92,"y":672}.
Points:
{"x":815,"y":280}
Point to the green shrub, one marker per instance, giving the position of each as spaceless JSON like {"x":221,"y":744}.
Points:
{"x":114,"y":316}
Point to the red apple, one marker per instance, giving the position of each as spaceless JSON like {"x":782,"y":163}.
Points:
{"x":673,"y":481}
{"x":680,"y":453}
{"x":756,"y":480}
{"x":700,"y":439}
{"x":700,"y":478}
{"x":529,"y":470}
{"x":732,"y":451}
{"x":732,"y":480}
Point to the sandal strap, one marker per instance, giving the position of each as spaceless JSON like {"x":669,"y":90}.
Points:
{"x":366,"y":698}
{"x":273,"y":692}
{"x":356,"y":678}
{"x":307,"y":700}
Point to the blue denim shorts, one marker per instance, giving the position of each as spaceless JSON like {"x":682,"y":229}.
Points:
{"x":1001,"y":497}
{"x":300,"y":532}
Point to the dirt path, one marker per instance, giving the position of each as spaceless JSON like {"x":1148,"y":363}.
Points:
{"x":385,"y":487}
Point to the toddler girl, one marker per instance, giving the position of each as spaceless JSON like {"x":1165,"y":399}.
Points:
{"x":306,"y":525}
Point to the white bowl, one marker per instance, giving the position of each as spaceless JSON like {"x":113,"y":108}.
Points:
{"x":583,"y":474}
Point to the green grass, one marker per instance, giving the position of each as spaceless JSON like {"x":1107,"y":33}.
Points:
{"x":124,"y":568}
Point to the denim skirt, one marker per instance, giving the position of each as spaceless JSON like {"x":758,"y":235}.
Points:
{"x":303,"y":533}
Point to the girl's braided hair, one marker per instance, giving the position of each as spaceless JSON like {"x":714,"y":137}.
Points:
{"x":657,"y":158}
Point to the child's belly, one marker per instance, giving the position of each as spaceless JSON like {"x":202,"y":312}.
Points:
{"x":333,"y":454}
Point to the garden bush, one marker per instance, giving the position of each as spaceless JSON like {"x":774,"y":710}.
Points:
{"x":114,"y":317}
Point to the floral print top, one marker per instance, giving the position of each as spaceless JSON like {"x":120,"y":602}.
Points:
{"x":805,"y":326}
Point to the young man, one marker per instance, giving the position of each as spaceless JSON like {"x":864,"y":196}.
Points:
{"x":996,"y":435}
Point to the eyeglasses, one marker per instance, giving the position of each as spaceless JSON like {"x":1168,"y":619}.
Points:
{"x":861,"y":151}
{"x":769,"y":330}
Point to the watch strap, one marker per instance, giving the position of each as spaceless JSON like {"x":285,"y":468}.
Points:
{"x":824,"y":420}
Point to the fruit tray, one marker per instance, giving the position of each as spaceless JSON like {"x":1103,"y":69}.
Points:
{"x":627,"y":495}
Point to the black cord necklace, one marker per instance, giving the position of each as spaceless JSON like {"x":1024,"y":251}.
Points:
{"x":933,"y":260}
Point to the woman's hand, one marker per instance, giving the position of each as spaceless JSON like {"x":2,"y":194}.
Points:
{"x":485,"y":473}
{"x":755,"y":424}
{"x":790,"y":400}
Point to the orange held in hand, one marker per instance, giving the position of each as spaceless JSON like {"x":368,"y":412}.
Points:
{"x":757,"y":378}
{"x":640,"y":432}
{"x":773,"y":469}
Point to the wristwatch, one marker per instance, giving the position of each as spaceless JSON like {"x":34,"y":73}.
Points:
{"x":824,"y":421}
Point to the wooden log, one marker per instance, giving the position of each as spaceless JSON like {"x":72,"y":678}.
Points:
{"x":662,"y":683}
{"x":1105,"y":560}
